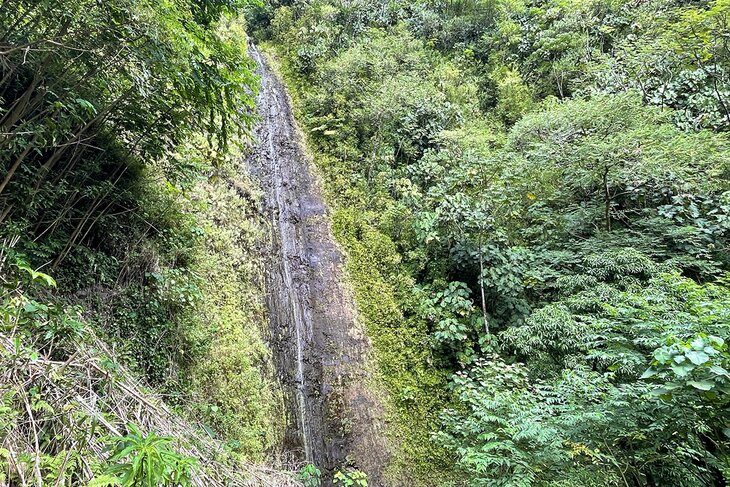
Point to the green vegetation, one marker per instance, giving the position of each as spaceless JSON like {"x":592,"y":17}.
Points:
{"x":69,"y":408}
{"x":310,"y":476}
{"x":122,"y":126}
{"x":148,"y":460}
{"x":352,"y":478}
{"x":535,"y":201}
{"x":231,"y":375}
{"x":534,"y":197}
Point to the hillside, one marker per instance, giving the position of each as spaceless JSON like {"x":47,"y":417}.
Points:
{"x":533,"y":198}
{"x":134,"y":327}
{"x":365,"y":242}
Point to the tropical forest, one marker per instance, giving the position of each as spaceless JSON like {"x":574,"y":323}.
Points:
{"x":352,"y":243}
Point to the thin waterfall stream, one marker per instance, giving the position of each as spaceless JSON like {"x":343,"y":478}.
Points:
{"x":320,"y":349}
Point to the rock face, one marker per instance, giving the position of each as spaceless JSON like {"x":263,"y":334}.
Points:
{"x":320,"y":348}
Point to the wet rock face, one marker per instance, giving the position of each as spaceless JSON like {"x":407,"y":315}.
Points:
{"x":319,"y":347}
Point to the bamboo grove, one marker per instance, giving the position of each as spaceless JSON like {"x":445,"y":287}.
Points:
{"x":91,"y":92}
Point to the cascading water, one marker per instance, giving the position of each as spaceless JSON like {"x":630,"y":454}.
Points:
{"x":320,"y":349}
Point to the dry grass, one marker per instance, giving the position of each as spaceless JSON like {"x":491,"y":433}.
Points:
{"x":65,"y":409}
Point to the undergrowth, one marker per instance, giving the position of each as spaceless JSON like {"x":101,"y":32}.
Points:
{"x":185,"y":311}
{"x":415,"y":386}
{"x":72,"y":414}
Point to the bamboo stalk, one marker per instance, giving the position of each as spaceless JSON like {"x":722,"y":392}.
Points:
{"x":15,"y":165}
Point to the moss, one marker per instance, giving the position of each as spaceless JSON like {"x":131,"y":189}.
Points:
{"x":232,"y":379}
{"x":189,"y":315}
{"x":416,"y":389}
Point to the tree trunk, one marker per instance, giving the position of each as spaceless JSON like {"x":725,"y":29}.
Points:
{"x":481,"y":288}
{"x":607,"y":200}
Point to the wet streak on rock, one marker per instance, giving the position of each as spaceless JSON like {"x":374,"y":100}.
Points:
{"x":319,"y":348}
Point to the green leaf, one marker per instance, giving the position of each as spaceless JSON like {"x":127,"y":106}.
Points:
{"x":86,"y":105}
{"x":710,"y":351}
{"x":683,"y":369}
{"x":716,"y":369}
{"x":697,"y":358}
{"x":650,"y":372}
{"x":703,"y":385}
{"x":662,"y":355}
{"x":105,"y":481}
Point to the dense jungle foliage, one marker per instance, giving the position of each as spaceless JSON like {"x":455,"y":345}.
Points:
{"x":535,"y":201}
{"x":121,"y":128}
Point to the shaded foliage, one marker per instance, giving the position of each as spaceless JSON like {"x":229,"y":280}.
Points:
{"x":552,"y":177}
